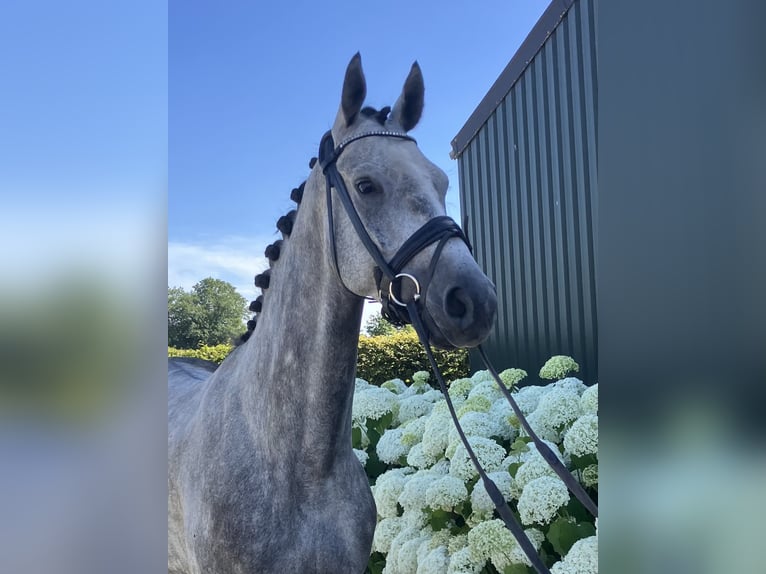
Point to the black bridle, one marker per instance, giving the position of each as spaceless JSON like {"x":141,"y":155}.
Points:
{"x":388,"y":276}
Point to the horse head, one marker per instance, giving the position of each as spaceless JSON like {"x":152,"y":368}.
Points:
{"x":395,"y":191}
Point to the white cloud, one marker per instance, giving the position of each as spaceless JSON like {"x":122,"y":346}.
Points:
{"x":233,"y":259}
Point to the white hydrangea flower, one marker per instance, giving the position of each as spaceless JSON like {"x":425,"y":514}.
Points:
{"x":541,"y":499}
{"x":528,"y":398}
{"x":589,"y":476}
{"x":559,"y":406}
{"x":512,"y":377}
{"x":413,"y":430}
{"x":373,"y":403}
{"x":501,"y":412}
{"x":413,"y":407}
{"x":451,"y":448}
{"x":416,"y":518}
{"x":446,"y":493}
{"x":457,"y":542}
{"x":558,"y":366}
{"x":543,"y":427}
{"x":582,"y":436}
{"x":570,"y":384}
{"x":418,"y":458}
{"x":361,"y":455}
{"x":489,"y":454}
{"x":523,"y":456}
{"x":461,"y":562}
{"x":582,"y":558}
{"x":435,"y":562}
{"x":533,"y":467}
{"x":385,"y":532}
{"x":407,"y":557}
{"x":392,"y":473}
{"x":435,"y":438}
{"x":486,"y":389}
{"x":360,"y":384}
{"x":460,"y":388}
{"x":478,"y":403}
{"x":387,"y":490}
{"x":433,"y":395}
{"x":551,"y":445}
{"x":413,"y":494}
{"x":517,"y":555}
{"x":406,"y":533}
{"x":390,"y":447}
{"x":474,"y":424}
{"x":425,"y":546}
{"x":480,"y":500}
{"x":491,"y":540}
{"x":395,"y":386}
{"x":438,"y":538}
{"x":589,"y":400}
{"x":480,"y":376}
{"x":421,"y":377}
{"x":441,"y":468}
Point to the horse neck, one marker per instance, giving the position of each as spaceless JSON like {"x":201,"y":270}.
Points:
{"x":299,"y":365}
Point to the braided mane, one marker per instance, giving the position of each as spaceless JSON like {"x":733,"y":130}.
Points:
{"x":285,"y":226}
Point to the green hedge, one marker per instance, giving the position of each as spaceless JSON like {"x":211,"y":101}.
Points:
{"x":380,"y":358}
{"x":215,"y":353}
{"x":391,"y":356}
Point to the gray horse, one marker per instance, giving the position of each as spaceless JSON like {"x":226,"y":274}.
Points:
{"x":262,"y":477}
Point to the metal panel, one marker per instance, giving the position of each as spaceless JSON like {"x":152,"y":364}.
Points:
{"x":528,"y":184}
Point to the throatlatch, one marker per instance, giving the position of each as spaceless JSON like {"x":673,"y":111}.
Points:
{"x":389,"y":277}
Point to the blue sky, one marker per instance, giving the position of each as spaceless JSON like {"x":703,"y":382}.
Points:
{"x":254,"y":85}
{"x":83,"y":139}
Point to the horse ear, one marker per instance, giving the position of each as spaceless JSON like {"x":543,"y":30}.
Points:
{"x":409,"y":106}
{"x":354,"y":90}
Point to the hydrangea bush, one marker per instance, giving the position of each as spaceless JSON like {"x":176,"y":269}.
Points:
{"x":434,"y":514}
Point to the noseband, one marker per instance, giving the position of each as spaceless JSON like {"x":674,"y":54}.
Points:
{"x":388,"y":277}
{"x":388,"y":274}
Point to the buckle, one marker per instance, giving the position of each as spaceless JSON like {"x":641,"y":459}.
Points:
{"x":391,"y":289}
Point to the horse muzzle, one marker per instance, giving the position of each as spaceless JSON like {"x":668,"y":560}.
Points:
{"x":460,"y":314}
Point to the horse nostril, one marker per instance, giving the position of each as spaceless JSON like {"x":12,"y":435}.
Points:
{"x":456,"y":303}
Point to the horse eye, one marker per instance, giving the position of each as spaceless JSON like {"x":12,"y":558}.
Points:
{"x":365,"y":186}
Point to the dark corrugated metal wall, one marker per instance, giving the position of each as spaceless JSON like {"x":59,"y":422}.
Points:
{"x":528,"y":185}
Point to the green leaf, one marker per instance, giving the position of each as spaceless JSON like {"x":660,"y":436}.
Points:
{"x":520,"y":445}
{"x":513,"y":468}
{"x":374,"y":467}
{"x":464,"y":509}
{"x":376,"y":563}
{"x":518,"y":569}
{"x":374,"y":437}
{"x":383,"y":423}
{"x":582,"y":462}
{"x":576,"y":510}
{"x":563,"y":533}
{"x":439,"y":519}
{"x":356,"y":437}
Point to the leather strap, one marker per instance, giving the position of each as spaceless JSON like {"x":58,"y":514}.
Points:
{"x":506,"y":514}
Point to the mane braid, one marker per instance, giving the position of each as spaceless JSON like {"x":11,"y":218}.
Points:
{"x":285,"y":226}
{"x":273,"y":251}
{"x":379,"y":116}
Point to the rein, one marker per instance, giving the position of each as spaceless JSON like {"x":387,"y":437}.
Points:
{"x":388,"y":277}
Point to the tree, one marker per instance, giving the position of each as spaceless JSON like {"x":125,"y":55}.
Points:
{"x":211,"y":314}
{"x":376,"y":326}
